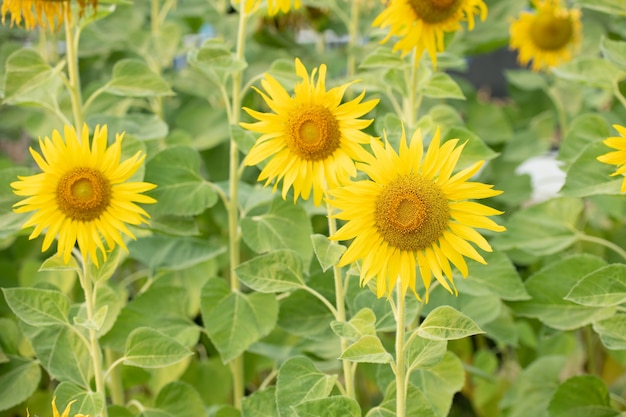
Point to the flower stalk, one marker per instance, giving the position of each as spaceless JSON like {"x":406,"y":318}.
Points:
{"x":72,"y":35}
{"x":400,"y":368}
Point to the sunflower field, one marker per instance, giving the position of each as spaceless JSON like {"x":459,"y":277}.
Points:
{"x":312,"y":208}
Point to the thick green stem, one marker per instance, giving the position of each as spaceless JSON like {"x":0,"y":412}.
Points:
{"x":236,"y":366}
{"x":94,"y":346}
{"x":71,"y":45}
{"x":411,"y":102}
{"x":400,"y":366}
{"x":348,"y":368}
{"x":114,"y":378}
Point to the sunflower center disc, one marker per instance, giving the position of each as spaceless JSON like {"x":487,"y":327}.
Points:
{"x":411,"y":213}
{"x":83,"y":194}
{"x":313,"y":132}
{"x":435,"y":11}
{"x":550,"y":32}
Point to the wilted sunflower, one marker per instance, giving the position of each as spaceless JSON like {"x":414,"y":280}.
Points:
{"x":310,"y":139}
{"x":82,"y":194}
{"x":66,"y":413}
{"x":413,"y":213}
{"x":47,"y":14}
{"x":421,"y":24}
{"x":617,"y":157}
{"x":547,"y":36}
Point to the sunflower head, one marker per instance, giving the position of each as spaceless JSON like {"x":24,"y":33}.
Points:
{"x":273,"y":6}
{"x":47,"y":14}
{"x":82,"y":194}
{"x":311,"y":139}
{"x":617,"y":157}
{"x":547,"y":36}
{"x":422,"y":24}
{"x":413,"y":214}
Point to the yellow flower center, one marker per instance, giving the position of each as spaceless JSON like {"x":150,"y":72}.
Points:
{"x":83,"y":194}
{"x":435,"y":11}
{"x":550,"y":32}
{"x":411,"y":212}
{"x":313,"y":132}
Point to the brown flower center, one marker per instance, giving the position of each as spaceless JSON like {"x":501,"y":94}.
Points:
{"x":83,"y":194}
{"x":435,"y":11}
{"x":313,"y":132}
{"x":550,"y":32}
{"x":411,"y":212}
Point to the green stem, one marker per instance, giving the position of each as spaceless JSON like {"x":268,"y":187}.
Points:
{"x":410,"y":102}
{"x":619,"y":94}
{"x":236,"y":366}
{"x":603,"y":242}
{"x":353,"y":32}
{"x":94,"y":351}
{"x":71,"y":45}
{"x":348,"y":372}
{"x":114,"y":377}
{"x":155,"y":29}
{"x":400,"y":366}
{"x":560,"y":111}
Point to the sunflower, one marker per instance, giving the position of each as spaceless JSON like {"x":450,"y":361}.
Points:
{"x":275,"y":6}
{"x":66,"y":413}
{"x":311,"y":139}
{"x":421,"y":24}
{"x":47,"y":14}
{"x":548,"y":36}
{"x":413,"y":212}
{"x":617,"y":157}
{"x":82,"y":194}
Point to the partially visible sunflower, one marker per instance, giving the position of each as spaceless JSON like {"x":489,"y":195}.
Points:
{"x":82,"y":195}
{"x":413,"y":213}
{"x":617,"y":157}
{"x":47,"y":14}
{"x":547,"y":36}
{"x":421,"y":24}
{"x":275,"y":6}
{"x":310,"y":139}
{"x":66,"y":413}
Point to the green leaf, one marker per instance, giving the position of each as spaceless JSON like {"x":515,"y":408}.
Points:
{"x":601,"y":288}
{"x":611,"y":7}
{"x":276,"y":271}
{"x":38,"y":307}
{"x":29,"y":80}
{"x":438,"y":384}
{"x":285,"y":226}
{"x":234,"y":321}
{"x":298,"y":381}
{"x":180,"y":399}
{"x":261,"y":403}
{"x":327,"y":252}
{"x":582,"y":132}
{"x":133,"y":78}
{"x":587,"y":176}
{"x":441,"y":85}
{"x":55,"y":263}
{"x":614,"y":51}
{"x":582,"y":396}
{"x":526,"y":80}
{"x":361,"y":324}
{"x":303,"y":314}
{"x":533,"y":388}
{"x":489,"y":121}
{"x":143,"y":127}
{"x":107,"y":268}
{"x":383,"y":57}
{"x":335,"y":406}
{"x":612,"y":331}
{"x":498,"y":277}
{"x":96,"y":322}
{"x":180,"y":189}
{"x":19,"y":379}
{"x":591,"y":71}
{"x":163,"y":252}
{"x":447,"y":323}
{"x":368,"y":349}
{"x":149,"y":348}
{"x":548,"y":288}
{"x":424,"y":353}
{"x":543,"y":229}
{"x":215,"y":60}
{"x":87,"y":402}
{"x":416,"y":403}
{"x":475,"y":149}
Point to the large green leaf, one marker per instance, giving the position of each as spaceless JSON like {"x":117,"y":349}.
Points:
{"x":612,"y":331}
{"x":595,"y":72}
{"x":548,"y":288}
{"x":424,"y":353}
{"x":180,"y":189}
{"x":447,"y":323}
{"x":19,"y":378}
{"x":303,"y":314}
{"x":133,"y":78}
{"x":298,"y":381}
{"x":141,"y":126}
{"x":284,"y":226}
{"x":276,"y":271}
{"x":335,"y":406}
{"x":149,"y":348}
{"x":87,"y":402}
{"x":327,"y":252}
{"x":179,"y":399}
{"x":587,"y":176}
{"x":614,"y":51}
{"x":542,"y":229}
{"x":361,"y":324}
{"x":261,"y":403}
{"x":215,"y":60}
{"x":583,"y":131}
{"x":38,"y":307}
{"x":475,"y":149}
{"x":612,"y":7}
{"x":441,"y":85}
{"x":582,"y":396}
{"x":367,"y":349}
{"x":383,"y":57}
{"x":416,"y":403}
{"x":233,"y":320}
{"x":603,"y":287}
